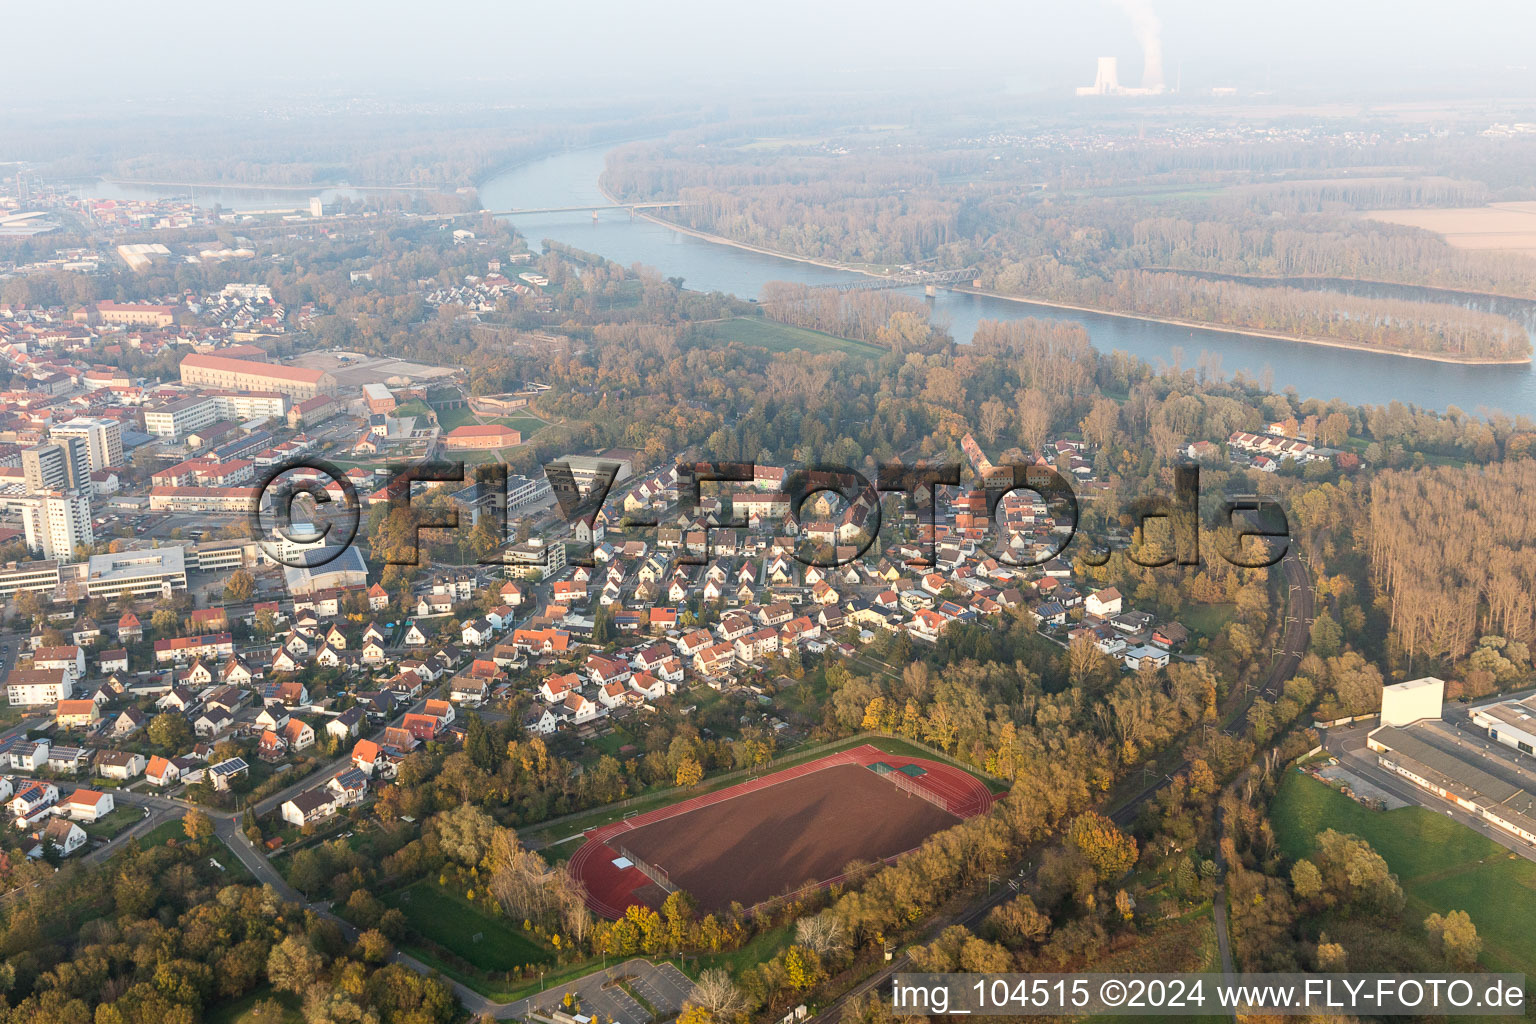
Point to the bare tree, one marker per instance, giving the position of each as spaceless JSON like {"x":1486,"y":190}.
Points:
{"x":822,"y":934}
{"x":717,"y":995}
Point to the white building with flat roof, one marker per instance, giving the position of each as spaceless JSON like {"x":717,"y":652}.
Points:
{"x":1510,"y":722}
{"x":152,"y":572}
{"x":1412,"y":701}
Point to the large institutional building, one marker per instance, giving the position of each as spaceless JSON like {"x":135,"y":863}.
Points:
{"x":249,"y":375}
{"x":136,"y":314}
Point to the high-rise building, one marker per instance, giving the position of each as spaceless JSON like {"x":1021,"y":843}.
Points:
{"x":103,"y":439}
{"x":64,"y":464}
{"x":57,"y":522}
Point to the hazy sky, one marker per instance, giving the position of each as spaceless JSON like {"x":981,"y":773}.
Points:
{"x":581,"y":48}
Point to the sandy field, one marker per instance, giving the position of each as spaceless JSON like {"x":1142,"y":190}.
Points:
{"x":1502,"y":227}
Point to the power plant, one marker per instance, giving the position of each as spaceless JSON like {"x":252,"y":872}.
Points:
{"x":1107,"y":82}
{"x":1149,"y":34}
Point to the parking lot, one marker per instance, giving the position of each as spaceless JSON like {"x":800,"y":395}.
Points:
{"x":663,"y":986}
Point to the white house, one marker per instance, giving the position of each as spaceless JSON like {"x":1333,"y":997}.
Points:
{"x":579,"y":708}
{"x":64,"y":835}
{"x":349,"y":787}
{"x":162,"y":772}
{"x":345,"y":725}
{"x":310,"y":806}
{"x":120,"y":764}
{"x":70,"y":660}
{"x":649,"y":686}
{"x":477,"y":632}
{"x":32,"y":799}
{"x":88,"y":805}
{"x":541,"y":721}
{"x":1103,"y":603}
{"x":468,"y":691}
{"x":554,"y":689}
{"x":25,"y":686}
{"x":1137,"y":656}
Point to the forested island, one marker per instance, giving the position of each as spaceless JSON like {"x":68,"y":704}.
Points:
{"x":1126,"y":225}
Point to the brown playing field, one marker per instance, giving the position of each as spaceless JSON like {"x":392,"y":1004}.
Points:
{"x":806,"y":829}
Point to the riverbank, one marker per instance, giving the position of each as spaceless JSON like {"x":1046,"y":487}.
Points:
{"x":1249,"y":332}
{"x":705,"y":236}
{"x":1434,"y":357}
{"x":1293,"y":280}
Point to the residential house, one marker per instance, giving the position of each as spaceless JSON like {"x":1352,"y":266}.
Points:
{"x":478,"y":632}
{"x":310,"y":806}
{"x":1136,"y":657}
{"x":33,"y":799}
{"x":225,"y":772}
{"x":1103,"y":603}
{"x":271,"y":746}
{"x":578,"y":708}
{"x":62,"y":834}
{"x":212,"y":722}
{"x":372,"y":759}
{"x":540,"y":721}
{"x":128,"y":723}
{"x":76,"y":714}
{"x":346,"y":725}
{"x":298,"y":734}
{"x":162,"y":772}
{"x":468,"y":691}
{"x":87,"y":805}
{"x":120,"y":764}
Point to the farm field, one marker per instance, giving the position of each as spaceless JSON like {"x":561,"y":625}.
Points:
{"x":1505,"y":227}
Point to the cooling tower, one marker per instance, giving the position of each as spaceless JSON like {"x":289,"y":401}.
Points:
{"x":1107,"y":81}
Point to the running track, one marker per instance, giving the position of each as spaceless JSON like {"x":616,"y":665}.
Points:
{"x":609,"y":888}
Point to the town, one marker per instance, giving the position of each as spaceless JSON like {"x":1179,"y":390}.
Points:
{"x":558,"y":522}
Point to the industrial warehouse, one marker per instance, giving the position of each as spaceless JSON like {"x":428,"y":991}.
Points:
{"x":1494,"y":781}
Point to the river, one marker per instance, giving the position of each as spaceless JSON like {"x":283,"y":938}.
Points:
{"x":1314,"y":371}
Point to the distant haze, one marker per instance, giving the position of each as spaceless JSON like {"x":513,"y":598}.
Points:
{"x":175,"y":51}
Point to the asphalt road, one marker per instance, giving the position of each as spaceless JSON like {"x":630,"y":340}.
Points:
{"x":1348,"y":745}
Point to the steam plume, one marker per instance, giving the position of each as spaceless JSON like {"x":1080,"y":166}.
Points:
{"x":1149,"y":33}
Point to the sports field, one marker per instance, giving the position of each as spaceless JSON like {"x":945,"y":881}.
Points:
{"x":759,"y":839}
{"x":487,"y":943}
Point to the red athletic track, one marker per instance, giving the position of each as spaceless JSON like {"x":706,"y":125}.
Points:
{"x":610,"y":890}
